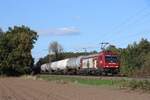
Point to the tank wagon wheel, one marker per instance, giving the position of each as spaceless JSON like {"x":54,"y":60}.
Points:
{"x":64,"y":72}
{"x":98,"y":73}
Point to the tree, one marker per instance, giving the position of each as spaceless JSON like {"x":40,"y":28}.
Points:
{"x":133,"y":58}
{"x":112,"y":48}
{"x":145,"y":70}
{"x":1,"y":32}
{"x":15,"y":50}
{"x":56,"y":49}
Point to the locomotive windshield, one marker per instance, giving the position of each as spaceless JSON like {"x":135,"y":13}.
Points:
{"x":111,"y":58}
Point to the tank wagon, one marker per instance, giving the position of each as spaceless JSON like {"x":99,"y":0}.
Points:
{"x":101,"y":63}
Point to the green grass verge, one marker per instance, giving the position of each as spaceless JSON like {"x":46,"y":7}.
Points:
{"x":121,"y":83}
{"x":81,"y":80}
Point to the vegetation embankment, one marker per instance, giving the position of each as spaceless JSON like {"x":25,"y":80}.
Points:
{"x":125,"y":83}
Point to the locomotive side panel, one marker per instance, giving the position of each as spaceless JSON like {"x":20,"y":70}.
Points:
{"x":89,"y":63}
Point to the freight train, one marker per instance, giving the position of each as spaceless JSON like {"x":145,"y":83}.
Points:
{"x":102,"y":63}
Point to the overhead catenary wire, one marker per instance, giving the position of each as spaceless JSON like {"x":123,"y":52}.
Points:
{"x":127,"y":21}
{"x":129,"y":36}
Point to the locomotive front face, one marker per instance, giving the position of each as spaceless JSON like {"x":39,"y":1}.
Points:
{"x":111,"y":61}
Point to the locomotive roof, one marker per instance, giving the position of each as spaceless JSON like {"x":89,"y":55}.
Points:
{"x":92,"y":55}
{"x":108,"y":52}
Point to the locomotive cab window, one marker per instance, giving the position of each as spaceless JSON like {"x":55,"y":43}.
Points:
{"x":111,"y":58}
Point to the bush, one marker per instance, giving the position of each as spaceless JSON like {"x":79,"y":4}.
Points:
{"x":135,"y":59}
{"x":136,"y":84}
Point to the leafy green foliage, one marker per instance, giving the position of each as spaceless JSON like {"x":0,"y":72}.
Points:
{"x":136,"y":84}
{"x":135,"y":58}
{"x":1,"y":32}
{"x":15,"y":50}
{"x":113,"y":48}
{"x":145,"y":69}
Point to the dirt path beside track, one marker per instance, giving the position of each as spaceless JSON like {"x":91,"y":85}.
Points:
{"x":28,"y":89}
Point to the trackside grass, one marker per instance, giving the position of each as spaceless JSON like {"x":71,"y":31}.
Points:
{"x":80,"y":80}
{"x":118,"y":83}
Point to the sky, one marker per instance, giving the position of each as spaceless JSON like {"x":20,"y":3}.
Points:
{"x":78,"y":24}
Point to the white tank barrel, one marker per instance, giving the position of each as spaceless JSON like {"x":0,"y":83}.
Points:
{"x":62,"y":64}
{"x":72,"y":63}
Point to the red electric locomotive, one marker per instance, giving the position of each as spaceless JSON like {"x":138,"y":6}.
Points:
{"x":103,"y":63}
{"x":108,"y":62}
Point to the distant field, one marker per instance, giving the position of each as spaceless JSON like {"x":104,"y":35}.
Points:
{"x":101,"y":81}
